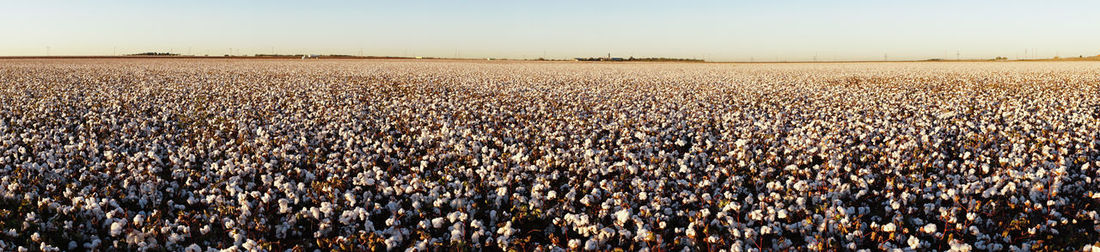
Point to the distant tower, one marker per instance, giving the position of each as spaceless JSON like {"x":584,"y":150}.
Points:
{"x":884,"y":58}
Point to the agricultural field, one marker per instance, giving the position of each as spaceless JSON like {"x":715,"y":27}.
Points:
{"x":206,"y":154}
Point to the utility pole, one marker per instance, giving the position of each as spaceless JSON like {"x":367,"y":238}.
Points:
{"x":884,"y":58}
{"x":956,"y":55}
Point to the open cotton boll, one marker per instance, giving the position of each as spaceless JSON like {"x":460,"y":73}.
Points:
{"x":889,"y":227}
{"x":575,"y":244}
{"x":438,"y":222}
{"x":913,"y":242}
{"x":622,"y":216}
{"x":590,"y":245}
{"x":930,"y":228}
{"x":116,"y":228}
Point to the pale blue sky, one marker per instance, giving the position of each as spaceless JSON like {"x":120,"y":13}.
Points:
{"x":716,"y":30}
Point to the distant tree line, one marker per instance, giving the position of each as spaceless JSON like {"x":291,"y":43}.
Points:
{"x":155,"y":54}
{"x":640,"y":59}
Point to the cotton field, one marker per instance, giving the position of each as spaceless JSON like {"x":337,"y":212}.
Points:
{"x":276,"y":155}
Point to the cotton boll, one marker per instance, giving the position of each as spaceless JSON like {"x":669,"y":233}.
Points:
{"x":889,"y":227}
{"x":913,"y":242}
{"x":590,"y":245}
{"x":139,"y":219}
{"x":437,"y":222}
{"x":116,"y":228}
{"x":622,"y":216}
{"x":930,"y":228}
{"x":576,"y":244}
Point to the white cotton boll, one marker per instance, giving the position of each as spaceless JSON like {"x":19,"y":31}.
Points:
{"x":454,"y":217}
{"x":574,"y":243}
{"x":590,"y":245}
{"x":930,"y":228}
{"x":889,"y":227}
{"x":643,"y":235}
{"x":326,"y":208}
{"x":506,"y":231}
{"x":913,"y":242}
{"x":139,"y":219}
{"x":391,"y":242}
{"x":756,"y":215}
{"x":437,"y":222}
{"x":420,"y":246}
{"x":622,"y":216}
{"x":315,"y":212}
{"x":284,"y":206}
{"x":251,"y":245}
{"x":350,"y":198}
{"x":957,"y":246}
{"x":116,"y":228}
{"x":458,"y":233}
{"x":347,"y":217}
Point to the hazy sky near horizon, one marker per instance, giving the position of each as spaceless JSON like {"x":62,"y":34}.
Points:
{"x":715,"y":30}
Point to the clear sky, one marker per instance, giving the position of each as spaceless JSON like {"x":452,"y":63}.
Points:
{"x":715,"y":30}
